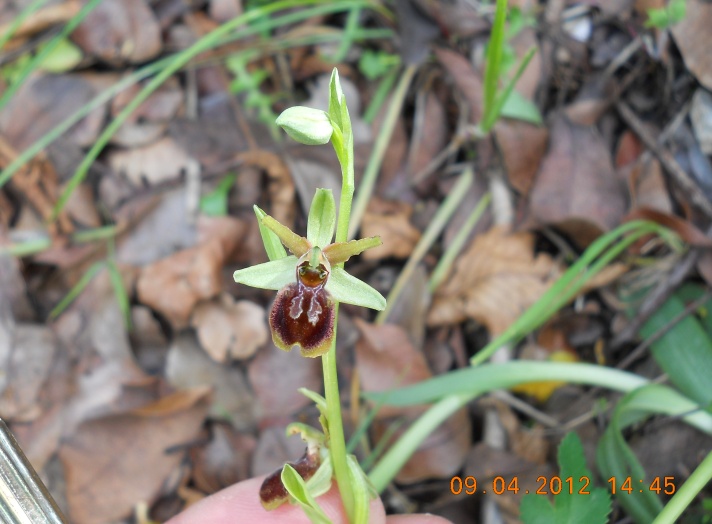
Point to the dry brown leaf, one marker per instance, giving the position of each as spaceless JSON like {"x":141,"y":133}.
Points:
{"x":89,"y":378}
{"x":430,"y":137}
{"x":442,"y":454}
{"x":280,"y":183}
{"x":42,"y":103}
{"x":522,"y":146}
{"x":174,"y":285}
{"x":275,"y":376}
{"x":391,"y":221}
{"x":274,"y":448}
{"x":485,"y":463}
{"x":694,"y":39}
{"x":113,"y":463}
{"x":494,"y":281}
{"x":152,"y":164}
{"x":27,"y":352}
{"x":530,"y":442}
{"x":148,"y":340}
{"x":187,"y":366}
{"x":148,"y":122}
{"x":228,"y":329}
{"x":386,"y":358}
{"x":647,"y":186}
{"x":577,"y":188}
{"x":224,"y":461}
{"x":150,"y":240}
{"x":119,"y":31}
{"x":466,"y":79}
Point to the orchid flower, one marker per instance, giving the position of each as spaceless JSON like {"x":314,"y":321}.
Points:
{"x":310,"y":279}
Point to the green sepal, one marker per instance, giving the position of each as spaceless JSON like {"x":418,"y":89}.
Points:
{"x":335,"y":98}
{"x":273,"y":245}
{"x":297,"y":488}
{"x":315,"y":397}
{"x":296,"y":244}
{"x":312,"y":436}
{"x":320,"y":402}
{"x":362,"y":489}
{"x":342,"y":251}
{"x":306,"y":125}
{"x":350,"y":290}
{"x":271,"y":275}
{"x":320,"y":482}
{"x":322,"y":218}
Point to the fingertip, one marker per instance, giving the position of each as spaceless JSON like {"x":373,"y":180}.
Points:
{"x":240,"y":503}
{"x":417,"y":519}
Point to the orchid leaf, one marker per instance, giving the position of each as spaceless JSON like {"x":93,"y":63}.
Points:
{"x":297,"y":488}
{"x":296,"y":244}
{"x":322,"y":218}
{"x":271,"y":275}
{"x":273,"y":245}
{"x":342,"y":251}
{"x":350,"y":290}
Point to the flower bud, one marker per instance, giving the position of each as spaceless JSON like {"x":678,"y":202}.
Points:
{"x":306,"y":125}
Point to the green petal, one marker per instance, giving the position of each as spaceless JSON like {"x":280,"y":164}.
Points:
{"x":342,"y":251}
{"x":349,"y":289}
{"x":271,"y":275}
{"x":322,"y":218}
{"x":296,"y":244}
{"x":273,"y":246}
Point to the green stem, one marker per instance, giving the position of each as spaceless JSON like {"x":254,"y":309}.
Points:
{"x":687,"y":492}
{"x":344,"y":148}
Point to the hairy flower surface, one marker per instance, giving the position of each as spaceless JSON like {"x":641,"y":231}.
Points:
{"x":310,"y":280}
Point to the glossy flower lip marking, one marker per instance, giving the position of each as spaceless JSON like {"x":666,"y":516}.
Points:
{"x":303,"y":311}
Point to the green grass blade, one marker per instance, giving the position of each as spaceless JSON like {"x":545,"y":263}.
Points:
{"x":33,"y":64}
{"x":76,"y":290}
{"x":122,"y":296}
{"x":179,"y":60}
{"x":687,"y":492}
{"x":446,"y":261}
{"x":505,"y":376}
{"x":491,"y":117}
{"x":368,"y":181}
{"x":153,"y":68}
{"x":431,"y":233}
{"x":352,"y":25}
{"x":594,"y":259}
{"x":615,"y":457}
{"x":379,"y":97}
{"x":19,"y":19}
{"x":494,"y":61}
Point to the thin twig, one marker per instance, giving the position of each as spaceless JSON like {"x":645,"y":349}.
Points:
{"x":679,"y":176}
